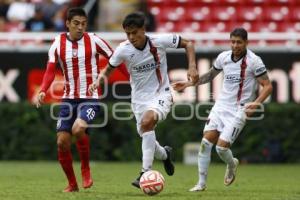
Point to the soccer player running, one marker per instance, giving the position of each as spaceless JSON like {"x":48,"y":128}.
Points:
{"x":145,"y":59}
{"x":242,"y":71}
{"x":78,"y":53}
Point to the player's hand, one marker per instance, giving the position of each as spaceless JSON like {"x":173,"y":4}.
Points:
{"x":179,"y":86}
{"x":193,"y":75}
{"x":93,"y":87}
{"x":40,"y":99}
{"x":251,"y":108}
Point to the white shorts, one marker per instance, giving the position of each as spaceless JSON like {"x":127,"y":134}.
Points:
{"x":228,"y":121}
{"x":160,"y":104}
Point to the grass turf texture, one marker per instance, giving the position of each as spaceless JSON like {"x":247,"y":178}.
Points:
{"x":45,"y":181}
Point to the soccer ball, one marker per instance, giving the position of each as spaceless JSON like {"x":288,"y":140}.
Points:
{"x":152,"y":182}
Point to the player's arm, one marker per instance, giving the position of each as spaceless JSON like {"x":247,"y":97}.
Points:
{"x":266,"y":84}
{"x":192,"y":74}
{"x":101,"y":77}
{"x":205,"y":78}
{"x":49,"y":74}
{"x":47,"y":81}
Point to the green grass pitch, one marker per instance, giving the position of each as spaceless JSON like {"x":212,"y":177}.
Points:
{"x":45,"y":181}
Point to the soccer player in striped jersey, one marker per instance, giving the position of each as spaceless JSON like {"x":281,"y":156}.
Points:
{"x":77,"y":53}
{"x":146,"y":62}
{"x":242,"y":71}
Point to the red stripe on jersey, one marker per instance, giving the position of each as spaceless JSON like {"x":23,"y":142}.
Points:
{"x":98,"y":69}
{"x":63,"y":40}
{"x":75,"y":69}
{"x":88,"y":58}
{"x":242,"y":76}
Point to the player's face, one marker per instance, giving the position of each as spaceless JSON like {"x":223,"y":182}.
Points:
{"x":136,"y":36}
{"x":238,"y":46}
{"x":77,"y":26}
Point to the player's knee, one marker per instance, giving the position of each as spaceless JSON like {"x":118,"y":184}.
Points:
{"x":63,"y":145}
{"x":147,"y":125}
{"x":221,"y":150}
{"x":78,"y":129}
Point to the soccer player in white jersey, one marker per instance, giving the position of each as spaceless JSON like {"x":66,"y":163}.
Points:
{"x":242,"y":71}
{"x":146,"y":62}
{"x":78,"y":53}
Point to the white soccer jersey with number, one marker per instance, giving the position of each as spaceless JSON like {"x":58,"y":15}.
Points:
{"x":239,"y":83}
{"x":144,"y":71}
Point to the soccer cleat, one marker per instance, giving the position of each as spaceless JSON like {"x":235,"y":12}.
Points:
{"x":136,"y":182}
{"x":87,"y":181}
{"x":198,"y":188}
{"x":168,"y":165}
{"x":231,"y":173}
{"x":71,"y":188}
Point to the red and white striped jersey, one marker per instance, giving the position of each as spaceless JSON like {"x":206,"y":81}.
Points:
{"x":239,"y":83}
{"x":79,"y":61}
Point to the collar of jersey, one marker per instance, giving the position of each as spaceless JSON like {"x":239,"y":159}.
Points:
{"x":239,"y":58}
{"x":141,"y":49}
{"x":68,"y":37}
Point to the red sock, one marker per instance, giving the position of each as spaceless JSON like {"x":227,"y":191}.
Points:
{"x":83,"y":147}
{"x":65,"y":160}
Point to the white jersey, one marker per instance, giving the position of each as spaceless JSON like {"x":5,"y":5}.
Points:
{"x":147,"y":76}
{"x":79,"y":61}
{"x":239,"y":84}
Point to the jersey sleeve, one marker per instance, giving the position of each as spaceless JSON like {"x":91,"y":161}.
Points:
{"x":102,"y":47}
{"x":218,"y":64}
{"x":52,"y":53}
{"x":170,"y":40}
{"x":259,"y":67}
{"x":116,"y":59}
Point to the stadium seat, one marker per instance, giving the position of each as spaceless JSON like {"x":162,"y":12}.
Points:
{"x":295,"y":14}
{"x":165,"y":27}
{"x":249,"y":13}
{"x":276,"y":13}
{"x":198,"y":14}
{"x":171,"y":14}
{"x":223,"y":13}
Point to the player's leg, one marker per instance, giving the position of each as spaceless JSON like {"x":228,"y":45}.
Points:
{"x":232,"y":129}
{"x":204,"y":156}
{"x":64,"y":124}
{"x":145,"y":126}
{"x":86,"y":113}
{"x":65,"y":159}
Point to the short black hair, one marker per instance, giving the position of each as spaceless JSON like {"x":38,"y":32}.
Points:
{"x":136,"y":19}
{"x":76,"y":11}
{"x":240,"y":32}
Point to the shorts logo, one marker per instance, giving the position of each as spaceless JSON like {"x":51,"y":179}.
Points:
{"x":174,"y":39}
{"x":58,"y":124}
{"x":161,"y":102}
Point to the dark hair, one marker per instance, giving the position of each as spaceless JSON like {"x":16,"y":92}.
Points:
{"x":240,"y":32}
{"x":72,"y":12}
{"x":136,"y":19}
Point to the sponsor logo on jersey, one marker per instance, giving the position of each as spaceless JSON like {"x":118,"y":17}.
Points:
{"x":233,"y":78}
{"x":145,"y":68}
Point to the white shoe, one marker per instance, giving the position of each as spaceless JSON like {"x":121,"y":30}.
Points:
{"x":198,"y":188}
{"x":231,"y":173}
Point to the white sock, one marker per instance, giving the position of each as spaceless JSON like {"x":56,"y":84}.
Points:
{"x":148,"y":148}
{"x":226,"y":155}
{"x":204,"y":160}
{"x":160,"y":152}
